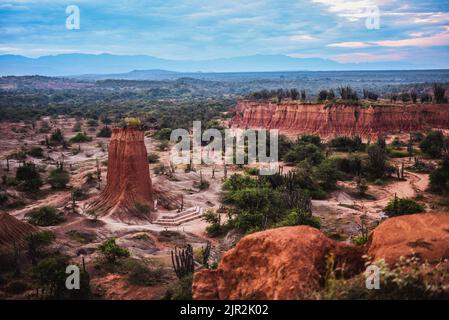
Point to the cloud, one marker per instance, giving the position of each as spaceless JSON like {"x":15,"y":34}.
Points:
{"x":353,"y":10}
{"x":439,"y":39}
{"x":358,"y":57}
{"x":351,"y":45}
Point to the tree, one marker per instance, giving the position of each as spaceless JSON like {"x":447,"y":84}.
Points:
{"x":439,"y":178}
{"x":104,"y":132}
{"x":36,"y":242}
{"x":439,"y":93}
{"x":433,"y":144}
{"x":328,"y":174}
{"x":377,"y":161}
{"x":28,"y":177}
{"x":111,"y":251}
{"x":322,"y":95}
{"x":57,"y":137}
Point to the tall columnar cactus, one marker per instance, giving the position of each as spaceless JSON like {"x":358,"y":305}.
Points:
{"x":206,"y":254}
{"x":183,"y":262}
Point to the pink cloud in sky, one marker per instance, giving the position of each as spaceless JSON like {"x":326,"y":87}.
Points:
{"x":357,"y":57}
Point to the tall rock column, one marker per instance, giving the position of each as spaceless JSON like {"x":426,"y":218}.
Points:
{"x":128,"y":194}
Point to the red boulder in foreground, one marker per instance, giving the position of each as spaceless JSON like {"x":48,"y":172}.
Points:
{"x":423,"y":235}
{"x":128,"y":193}
{"x":282,"y":263}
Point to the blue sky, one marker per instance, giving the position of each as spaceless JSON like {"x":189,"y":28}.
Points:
{"x":410,"y":31}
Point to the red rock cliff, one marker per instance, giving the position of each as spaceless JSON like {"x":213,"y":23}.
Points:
{"x":129,"y":190}
{"x":293,"y":118}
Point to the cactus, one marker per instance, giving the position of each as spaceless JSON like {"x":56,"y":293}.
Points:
{"x":7,"y":164}
{"x":183,"y":262}
{"x":206,"y":254}
{"x":73,"y":202}
{"x":98,"y":170}
{"x":225,"y":171}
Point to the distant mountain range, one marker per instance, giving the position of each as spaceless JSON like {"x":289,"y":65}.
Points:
{"x":147,"y":67}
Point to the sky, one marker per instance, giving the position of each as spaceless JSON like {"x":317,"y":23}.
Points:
{"x":413,"y":31}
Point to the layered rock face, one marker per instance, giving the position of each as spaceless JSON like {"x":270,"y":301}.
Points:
{"x":290,"y":262}
{"x":283,"y":263}
{"x":128,"y":192}
{"x":293,"y":118}
{"x":14,"y":231}
{"x":423,"y":235}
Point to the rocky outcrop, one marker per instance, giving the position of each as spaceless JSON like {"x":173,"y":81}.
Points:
{"x":128,"y":193}
{"x":294,"y":118}
{"x":290,"y":262}
{"x":14,"y":231}
{"x":283,"y":263}
{"x":423,"y":235}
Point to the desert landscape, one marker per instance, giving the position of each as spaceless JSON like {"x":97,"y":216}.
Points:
{"x":215,"y":159}
{"x":110,"y":199}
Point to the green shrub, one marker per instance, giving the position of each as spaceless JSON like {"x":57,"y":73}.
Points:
{"x":439,"y":178}
{"x":432,"y":144}
{"x":28,"y":177}
{"x":153,"y":158}
{"x":57,"y":138}
{"x":80,"y":137}
{"x":36,"y":152}
{"x":181,"y":290}
{"x":111,"y":251}
{"x":37,"y":242}
{"x":44,"y":216}
{"x":347,"y":144}
{"x":398,"y":207}
{"x":298,"y":218}
{"x":105,"y":132}
{"x":252,"y":171}
{"x":58,"y":179}
{"x":141,"y":275}
{"x":163,"y":134}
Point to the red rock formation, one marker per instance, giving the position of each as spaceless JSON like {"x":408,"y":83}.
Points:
{"x":283,"y":263}
{"x":13,"y":230}
{"x":293,"y":118}
{"x":129,"y":188}
{"x":425,"y":235}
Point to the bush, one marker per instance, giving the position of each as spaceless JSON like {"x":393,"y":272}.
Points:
{"x":347,"y":144}
{"x":153,"y":158}
{"x":28,"y":177}
{"x":80,"y":137}
{"x":111,"y":251}
{"x":57,"y":138}
{"x":105,"y":132}
{"x":44,"y":216}
{"x":36,"y":242}
{"x":399,"y":207}
{"x":377,"y":162}
{"x":163,"y":134}
{"x":36,"y":152}
{"x":433,"y":144}
{"x":181,"y":290}
{"x":141,"y":275}
{"x":327,"y":175}
{"x":58,"y":178}
{"x":439,"y":178}
{"x":298,"y":218}
{"x":304,"y":151}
